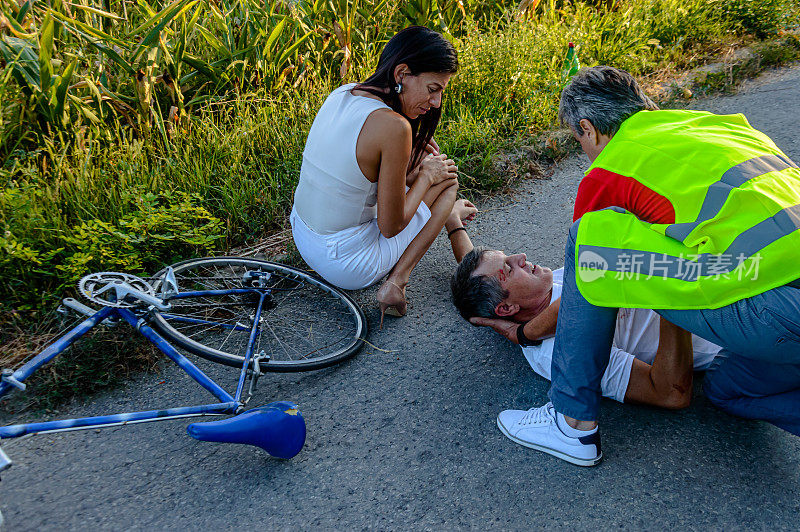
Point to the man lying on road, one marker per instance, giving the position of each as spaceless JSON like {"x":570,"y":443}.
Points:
{"x":651,"y":360}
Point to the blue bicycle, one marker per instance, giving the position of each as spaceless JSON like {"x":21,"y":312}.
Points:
{"x":256,"y":315}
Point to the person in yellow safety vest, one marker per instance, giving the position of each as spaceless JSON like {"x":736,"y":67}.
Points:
{"x":693,"y":214}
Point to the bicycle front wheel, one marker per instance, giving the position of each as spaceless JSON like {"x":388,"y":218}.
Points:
{"x":305,"y":323}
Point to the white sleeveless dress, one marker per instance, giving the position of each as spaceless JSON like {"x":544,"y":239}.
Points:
{"x":334,"y":217}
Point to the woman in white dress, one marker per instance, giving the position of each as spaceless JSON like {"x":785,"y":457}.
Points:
{"x":374,"y":191}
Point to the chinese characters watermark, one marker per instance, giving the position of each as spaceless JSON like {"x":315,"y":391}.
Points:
{"x":633,"y":265}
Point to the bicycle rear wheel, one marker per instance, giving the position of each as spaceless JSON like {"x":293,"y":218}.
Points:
{"x":305,"y":324}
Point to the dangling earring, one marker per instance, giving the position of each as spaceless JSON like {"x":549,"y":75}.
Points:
{"x":398,"y":88}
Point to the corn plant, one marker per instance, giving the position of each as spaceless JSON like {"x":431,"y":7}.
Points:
{"x":254,"y":43}
{"x":45,"y":93}
{"x":346,"y":34}
{"x":445,"y":16}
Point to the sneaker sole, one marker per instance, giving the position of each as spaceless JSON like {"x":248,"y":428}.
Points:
{"x":584,"y":462}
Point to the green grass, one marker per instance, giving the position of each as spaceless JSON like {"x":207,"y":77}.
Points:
{"x":134,"y":138}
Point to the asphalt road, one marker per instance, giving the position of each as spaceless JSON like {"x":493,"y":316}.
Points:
{"x":405,"y":437}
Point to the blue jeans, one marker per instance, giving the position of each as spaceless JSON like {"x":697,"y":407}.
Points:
{"x":757,"y":334}
{"x":754,"y":389}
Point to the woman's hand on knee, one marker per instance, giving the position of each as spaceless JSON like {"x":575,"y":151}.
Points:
{"x":438,"y":169}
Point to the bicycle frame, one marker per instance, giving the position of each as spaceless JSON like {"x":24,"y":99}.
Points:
{"x":228,"y":404}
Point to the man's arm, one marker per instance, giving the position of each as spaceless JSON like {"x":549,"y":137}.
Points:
{"x":459,"y":240}
{"x":601,"y":188}
{"x":668,"y":382}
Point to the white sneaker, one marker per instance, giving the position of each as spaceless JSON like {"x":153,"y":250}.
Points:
{"x":537,"y":428}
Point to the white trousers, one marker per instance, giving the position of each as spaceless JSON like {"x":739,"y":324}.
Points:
{"x":355,"y":257}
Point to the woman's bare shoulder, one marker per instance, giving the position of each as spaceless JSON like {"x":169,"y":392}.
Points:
{"x":388,"y":123}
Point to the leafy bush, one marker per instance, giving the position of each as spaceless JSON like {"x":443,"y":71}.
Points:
{"x":155,"y":228}
{"x":760,"y":17}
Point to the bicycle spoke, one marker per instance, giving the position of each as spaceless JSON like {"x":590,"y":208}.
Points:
{"x":283,"y":344}
{"x":231,"y":332}
{"x":210,"y":327}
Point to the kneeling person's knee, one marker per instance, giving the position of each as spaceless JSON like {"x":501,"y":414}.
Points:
{"x":719,"y":385}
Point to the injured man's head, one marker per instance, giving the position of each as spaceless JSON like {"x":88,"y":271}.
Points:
{"x":490,"y":284}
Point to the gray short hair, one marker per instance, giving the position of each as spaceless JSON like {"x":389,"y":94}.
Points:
{"x":603,"y":95}
{"x":475,"y":295}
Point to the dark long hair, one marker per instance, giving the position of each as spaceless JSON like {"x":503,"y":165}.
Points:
{"x":423,"y":50}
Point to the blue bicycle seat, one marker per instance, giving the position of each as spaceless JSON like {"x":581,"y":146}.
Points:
{"x":278,"y":428}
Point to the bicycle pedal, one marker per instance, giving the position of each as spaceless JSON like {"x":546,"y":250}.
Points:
{"x":71,"y":305}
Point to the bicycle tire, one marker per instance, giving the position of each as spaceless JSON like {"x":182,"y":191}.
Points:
{"x":223,"y":272}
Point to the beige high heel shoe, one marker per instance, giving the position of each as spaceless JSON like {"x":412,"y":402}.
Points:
{"x":392,"y":300}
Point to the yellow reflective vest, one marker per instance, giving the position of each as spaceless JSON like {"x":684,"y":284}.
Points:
{"x":737,"y":216}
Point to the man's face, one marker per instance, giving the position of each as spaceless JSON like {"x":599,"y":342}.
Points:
{"x":527,"y":284}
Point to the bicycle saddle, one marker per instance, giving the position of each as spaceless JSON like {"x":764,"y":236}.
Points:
{"x":278,"y":428}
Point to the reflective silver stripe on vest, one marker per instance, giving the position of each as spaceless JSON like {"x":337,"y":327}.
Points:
{"x":692,"y":267}
{"x":718,"y":192}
